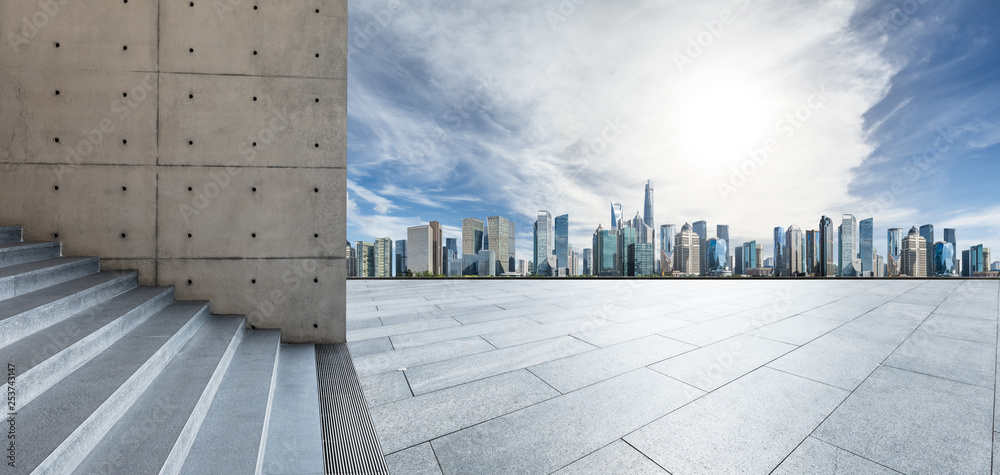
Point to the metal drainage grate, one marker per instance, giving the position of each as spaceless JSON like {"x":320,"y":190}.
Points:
{"x":350,"y":445}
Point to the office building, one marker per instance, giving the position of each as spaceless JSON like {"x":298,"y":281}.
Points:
{"x":423,"y":247}
{"x":795,"y":252}
{"x":617,"y":216}
{"x":500,"y":239}
{"x":812,"y":252}
{"x":472,"y":243}
{"x":587,"y":262}
{"x":352,"y":261}
{"x":977,"y":260}
{"x":700,"y":228}
{"x":949,"y":236}
{"x":383,"y":257}
{"x":687,"y":252}
{"x":717,"y":258}
{"x":780,"y":265}
{"x":626,"y":236}
{"x":448,"y":254}
{"x":966,"y":268}
{"x":511,"y":248}
{"x":563,"y":253}
{"x":927,"y":232}
{"x":827,"y":259}
{"x":487,"y":264}
{"x":751,"y":257}
{"x":366,"y":259}
{"x":401,"y":257}
{"x":605,"y":245}
{"x":913,"y":255}
{"x":894,"y":247}
{"x":866,"y":234}
{"x":944,"y":259}
{"x":543,"y":241}
{"x":722,"y":232}
{"x":575,"y":262}
{"x":849,"y":261}
{"x":647,"y":209}
{"x":738,"y":261}
{"x":668,"y":232}
{"x":640,"y":259}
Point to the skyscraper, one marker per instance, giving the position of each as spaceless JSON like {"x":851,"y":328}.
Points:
{"x":827,"y":260}
{"x":794,"y":252}
{"x":626,"y":236}
{"x":511,"y":248}
{"x":366,"y":258}
{"x":866,"y":232}
{"x":738,"y":261}
{"x":687,"y":252}
{"x":716,"y":256}
{"x":949,"y":236}
{"x":423,"y":245}
{"x":722,"y":232}
{"x":587,"y":262}
{"x":383,"y":257}
{"x":647,"y":209}
{"x":914,"y":252}
{"x":849,"y":246}
{"x":562,"y":245}
{"x":944,"y":259}
{"x":700,"y":228}
{"x":780,"y":268}
{"x":437,"y":245}
{"x":472,"y":243}
{"x":927,"y":232}
{"x":894,"y":247}
{"x":643,"y":233}
{"x":640,"y":259}
{"x":352,"y":260}
{"x":605,"y":252}
{"x":751,"y":258}
{"x":401,"y":257}
{"x":500,"y":241}
{"x":966,"y":268}
{"x":977,"y":260}
{"x":543,"y":242}
{"x":667,"y":234}
{"x":812,"y":252}
{"x":616,"y":215}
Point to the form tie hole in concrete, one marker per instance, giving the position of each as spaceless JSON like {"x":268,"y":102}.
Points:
{"x":190,"y":50}
{"x":56,"y":139}
{"x":253,"y":235}
{"x":316,"y":145}
{"x":255,"y":7}
{"x":190,"y":96}
{"x":315,"y":281}
{"x":253,"y":281}
{"x":124,"y":142}
{"x":55,"y":235}
{"x":124,"y":94}
{"x":255,"y":98}
{"x":190,"y":142}
{"x":57,"y":92}
{"x":315,"y":325}
{"x":125,"y":48}
{"x":315,"y":235}
{"x":189,"y":235}
{"x":255,"y":52}
{"x":254,"y":189}
{"x":189,"y":282}
{"x":255,"y":144}
{"x":56,"y":187}
{"x":190,"y":189}
{"x":191,"y":4}
{"x":123,"y":235}
{"x":317,"y":55}
{"x":317,"y":99}
{"x":315,"y":190}
{"x":253,"y":327}
{"x":124,"y":188}
{"x":57,"y":45}
{"x":317,"y":10}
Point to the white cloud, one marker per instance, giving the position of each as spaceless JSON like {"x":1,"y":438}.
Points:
{"x":380,"y":204}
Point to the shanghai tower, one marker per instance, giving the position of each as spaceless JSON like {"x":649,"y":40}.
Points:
{"x":647,"y":210}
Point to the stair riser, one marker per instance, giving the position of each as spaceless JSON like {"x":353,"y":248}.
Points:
{"x":9,"y":234}
{"x":37,"y":380}
{"x":39,"y":318}
{"x":78,"y":445}
{"x":20,"y":284}
{"x":13,"y":257}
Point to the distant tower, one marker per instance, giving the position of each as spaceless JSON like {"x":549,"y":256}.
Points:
{"x":795,"y":254}
{"x":914,"y":252}
{"x":949,"y":236}
{"x":701,"y":229}
{"x":827,"y":261}
{"x":543,"y":242}
{"x":927,"y":232}
{"x":616,"y":215}
{"x":667,"y":235}
{"x":944,"y":259}
{"x":647,"y":210}
{"x":894,"y":246}
{"x":780,"y":268}
{"x":563,"y":253}
{"x":849,"y":246}
{"x":866,"y":232}
{"x":687,"y":249}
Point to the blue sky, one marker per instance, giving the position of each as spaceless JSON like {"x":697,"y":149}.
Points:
{"x":884,"y":109}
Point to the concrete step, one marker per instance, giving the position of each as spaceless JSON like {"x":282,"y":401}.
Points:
{"x":60,"y":427}
{"x":29,"y":277}
{"x":29,"y":313}
{"x":156,"y":432}
{"x":242,"y":406}
{"x":10,"y":234}
{"x":20,"y":252}
{"x":295,"y":433}
{"x":44,"y":358}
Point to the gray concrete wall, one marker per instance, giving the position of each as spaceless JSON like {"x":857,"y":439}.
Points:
{"x":202,"y":143}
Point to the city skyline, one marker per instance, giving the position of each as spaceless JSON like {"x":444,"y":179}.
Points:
{"x":437,"y":130}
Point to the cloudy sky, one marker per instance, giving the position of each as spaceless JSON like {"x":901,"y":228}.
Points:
{"x":752,"y":113}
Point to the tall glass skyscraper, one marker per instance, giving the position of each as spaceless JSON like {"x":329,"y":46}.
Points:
{"x":738,"y":260}
{"x":588,"y":265}
{"x":647,"y":209}
{"x":640,"y":259}
{"x":616,"y":215}
{"x":717,"y":257}
{"x":626,"y":236}
{"x":687,"y":251}
{"x":543,"y":242}
{"x":722,"y":232}
{"x":780,"y":268}
{"x":700,"y":228}
{"x":401,"y":257}
{"x":944,"y":259}
{"x":812,"y":252}
{"x":795,"y":252}
{"x":605,"y":252}
{"x":472,"y":243}
{"x":668,"y":233}
{"x":500,"y":239}
{"x":827,"y":260}
{"x":977,"y":260}
{"x":949,"y":236}
{"x":867,"y":235}
{"x":562,"y":245}
{"x":927,"y":232}
{"x":383,"y":257}
{"x":751,"y":258}
{"x":894,"y":247}
{"x":849,"y":246}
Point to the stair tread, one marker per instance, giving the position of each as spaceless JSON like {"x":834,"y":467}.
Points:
{"x":24,"y":302}
{"x":10,"y":271}
{"x":229,"y":438}
{"x":20,"y":279}
{"x":168,"y":402}
{"x":11,"y":246}
{"x":49,"y":419}
{"x":31,"y":350}
{"x":295,"y":433}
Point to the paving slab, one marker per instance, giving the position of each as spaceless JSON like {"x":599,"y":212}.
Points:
{"x":818,"y":457}
{"x":712,"y":366}
{"x":518,"y":336}
{"x":837,"y":360}
{"x":413,"y":421}
{"x":418,"y":460}
{"x":574,"y":372}
{"x":878,"y":328}
{"x":369,"y":347}
{"x":383,"y":388}
{"x":617,"y":457}
{"x":400,"y":329}
{"x":912,"y":422}
{"x":430,"y":336}
{"x":547,"y":436}
{"x":614,"y":334}
{"x":747,"y":426}
{"x":421,"y":355}
{"x":702,"y":334}
{"x":971,"y":362}
{"x":797,"y":330}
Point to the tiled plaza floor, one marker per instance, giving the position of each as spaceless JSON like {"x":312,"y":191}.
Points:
{"x":679,"y":376}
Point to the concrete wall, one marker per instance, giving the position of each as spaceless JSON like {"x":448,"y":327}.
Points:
{"x":200,"y":142}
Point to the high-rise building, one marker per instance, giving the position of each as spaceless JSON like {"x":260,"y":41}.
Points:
{"x":995,"y":266}
{"x":769,"y":263}
{"x":647,"y":209}
{"x":511,"y":248}
{"x":700,"y":228}
{"x":383,"y":257}
{"x":927,"y":232}
{"x":449,"y":254}
{"x":894,"y":248}
{"x":827,"y":259}
{"x":687,"y":252}
{"x":499,"y":239}
{"x":914,"y":253}
{"x":588,"y":265}
{"x":866,"y":232}
{"x":352,"y":261}
{"x":668,"y":233}
{"x":617,"y":216}
{"x":401,"y":257}
{"x":812,"y":252}
{"x":643,"y":233}
{"x":738,"y":261}
{"x":472,"y":243}
{"x":944,"y":259}
{"x":966,"y":268}
{"x":626,"y":235}
{"x":717,"y":258}
{"x":977,"y":260}
{"x":879,"y":266}
{"x":366,"y":258}
{"x":751,"y":257}
{"x":949,"y":236}
{"x":605,"y":244}
{"x":780,"y":265}
{"x":543,"y":241}
{"x":640,"y":259}
{"x":488,"y":264}
{"x":577,"y":262}
{"x":722,"y":232}
{"x":423,"y":247}
{"x":437,"y":246}
{"x":563,"y":253}
{"x":794,"y":251}
{"x":849,"y":262}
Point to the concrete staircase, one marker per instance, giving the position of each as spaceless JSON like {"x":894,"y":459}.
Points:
{"x":110,"y":377}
